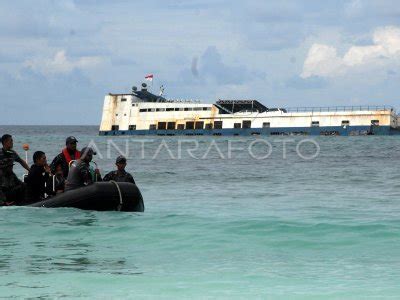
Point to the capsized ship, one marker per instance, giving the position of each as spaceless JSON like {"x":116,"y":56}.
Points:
{"x":144,"y":113}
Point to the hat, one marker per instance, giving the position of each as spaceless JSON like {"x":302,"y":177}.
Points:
{"x":7,"y":162}
{"x":88,"y":150}
{"x":120,"y":159}
{"x":70,"y":140}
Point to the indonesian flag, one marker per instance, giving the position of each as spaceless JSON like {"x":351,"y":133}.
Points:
{"x":149,"y":77}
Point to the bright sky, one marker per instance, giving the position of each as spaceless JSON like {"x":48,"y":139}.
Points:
{"x":59,"y":58}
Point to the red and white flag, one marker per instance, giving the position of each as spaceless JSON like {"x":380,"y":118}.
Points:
{"x":149,"y":77}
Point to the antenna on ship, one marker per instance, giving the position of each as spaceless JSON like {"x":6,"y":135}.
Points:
{"x":161,"y":90}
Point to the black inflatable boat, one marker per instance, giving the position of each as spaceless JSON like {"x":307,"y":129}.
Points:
{"x":101,"y":196}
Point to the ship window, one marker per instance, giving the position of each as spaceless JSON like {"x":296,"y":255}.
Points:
{"x":206,"y":108}
{"x":266,"y":125}
{"x":188,"y":108}
{"x":170,"y":109}
{"x":345,"y":123}
{"x":132,"y":127}
{"x":197,"y":108}
{"x":246,"y":124}
{"x":151,"y":109}
{"x":160,"y":109}
{"x":315,"y":124}
{"x":171,"y":125}
{"x":209,"y":126}
{"x":162,"y":125}
{"x":176,"y":108}
{"x":134,"y":104}
{"x":115,"y":127}
{"x":153,"y":127}
{"x":199,"y":125}
{"x":218,"y":124}
{"x":143,"y":110}
{"x":189,"y":125}
{"x":123,"y":99}
{"x":116,"y":115}
{"x":181,"y":126}
{"x":237,"y":125}
{"x":375,"y":122}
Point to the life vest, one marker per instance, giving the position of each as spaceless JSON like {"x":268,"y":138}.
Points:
{"x":68,"y":156}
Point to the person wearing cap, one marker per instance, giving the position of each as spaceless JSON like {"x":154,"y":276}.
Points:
{"x":80,"y":174}
{"x":12,"y":190}
{"x":119,"y":175}
{"x":67,"y":155}
{"x":8,"y":152}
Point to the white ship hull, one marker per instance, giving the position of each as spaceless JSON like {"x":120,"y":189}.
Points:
{"x":130,"y":115}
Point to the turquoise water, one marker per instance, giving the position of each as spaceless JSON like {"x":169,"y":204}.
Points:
{"x":217,"y":227}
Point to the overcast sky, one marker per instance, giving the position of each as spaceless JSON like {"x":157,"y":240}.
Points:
{"x":59,"y":58}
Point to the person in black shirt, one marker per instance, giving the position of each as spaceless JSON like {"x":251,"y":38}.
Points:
{"x":8,"y":152}
{"x":37,"y":177}
{"x":120,"y":175}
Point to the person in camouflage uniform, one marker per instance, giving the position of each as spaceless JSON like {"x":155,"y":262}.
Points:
{"x":12,"y":190}
{"x":7,"y":151}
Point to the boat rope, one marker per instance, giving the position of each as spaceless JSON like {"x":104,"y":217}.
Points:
{"x":120,"y":195}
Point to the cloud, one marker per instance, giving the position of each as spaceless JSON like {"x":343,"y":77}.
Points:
{"x":45,"y":100}
{"x":213,"y":67}
{"x":374,"y":9}
{"x":81,"y":47}
{"x":353,"y":8}
{"x":61,"y":64}
{"x":268,"y":26}
{"x":210,"y":68}
{"x":323,"y":60}
{"x":313,"y":82}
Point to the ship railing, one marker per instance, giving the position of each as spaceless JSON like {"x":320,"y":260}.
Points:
{"x":183,"y":101}
{"x":341,"y":108}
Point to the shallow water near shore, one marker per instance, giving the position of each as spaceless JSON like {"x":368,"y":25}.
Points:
{"x":217,"y":224}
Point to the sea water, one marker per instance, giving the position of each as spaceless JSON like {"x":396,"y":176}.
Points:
{"x":280,"y":217}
